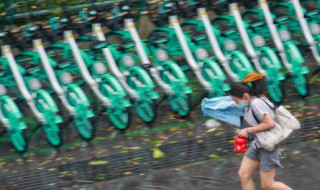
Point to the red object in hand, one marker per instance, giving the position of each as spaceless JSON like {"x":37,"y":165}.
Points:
{"x":240,"y":144}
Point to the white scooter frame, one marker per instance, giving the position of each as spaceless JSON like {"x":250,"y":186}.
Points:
{"x":275,"y":34}
{"x":130,"y":27}
{"x":174,"y":23}
{"x":6,"y":52}
{"x":202,"y":15}
{"x":245,"y":37}
{"x":306,"y":30}
{"x":97,"y":32}
{"x":38,"y":47}
{"x":69,"y":39}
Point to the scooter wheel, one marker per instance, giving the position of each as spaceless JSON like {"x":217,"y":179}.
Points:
{"x":120,"y":118}
{"x":85,"y":127}
{"x":19,"y":141}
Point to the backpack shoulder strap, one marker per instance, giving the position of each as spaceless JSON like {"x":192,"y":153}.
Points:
{"x":271,"y":107}
{"x":255,"y":117}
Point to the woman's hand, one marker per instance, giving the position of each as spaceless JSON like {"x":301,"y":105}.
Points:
{"x":243,"y":132}
{"x":266,"y":124}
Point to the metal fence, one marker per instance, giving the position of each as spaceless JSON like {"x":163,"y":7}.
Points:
{"x":138,"y":161}
{"x":24,"y":7}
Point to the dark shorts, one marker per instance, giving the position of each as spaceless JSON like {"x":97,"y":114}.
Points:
{"x":268,"y":160}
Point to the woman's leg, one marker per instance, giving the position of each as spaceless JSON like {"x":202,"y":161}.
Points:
{"x":268,"y":182}
{"x":245,"y":172}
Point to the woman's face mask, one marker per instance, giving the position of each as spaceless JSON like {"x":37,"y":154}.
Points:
{"x":241,"y":102}
{"x":242,"y":105}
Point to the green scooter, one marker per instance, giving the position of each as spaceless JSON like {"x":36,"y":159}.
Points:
{"x":134,"y":79}
{"x":235,"y":62}
{"x":39,"y":100}
{"x":60,"y":79}
{"x":262,"y":56}
{"x":302,"y":21}
{"x":262,"y":20}
{"x":186,"y":52}
{"x":166,"y":73}
{"x":57,"y":78}
{"x":125,"y":56}
{"x":104,"y":85}
{"x":10,"y":115}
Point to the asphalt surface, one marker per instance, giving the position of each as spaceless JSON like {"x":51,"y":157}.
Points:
{"x":193,"y":156}
{"x":195,"y":167}
{"x":301,"y":172}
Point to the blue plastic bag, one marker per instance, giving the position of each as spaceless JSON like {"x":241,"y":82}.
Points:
{"x":223,"y":109}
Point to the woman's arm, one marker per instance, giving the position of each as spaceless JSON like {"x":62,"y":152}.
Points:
{"x":265,"y":124}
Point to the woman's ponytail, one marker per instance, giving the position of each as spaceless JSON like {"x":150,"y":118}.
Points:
{"x":258,"y":87}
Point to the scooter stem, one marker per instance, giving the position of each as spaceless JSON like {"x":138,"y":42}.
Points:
{"x":114,"y":69}
{"x":190,"y":59}
{"x":245,"y":37}
{"x":240,"y":25}
{"x":97,"y":32}
{"x":129,"y":25}
{"x":4,"y":120}
{"x":275,"y":34}
{"x":37,"y":46}
{"x":269,"y":20}
{"x":306,"y":30}
{"x":6,"y":51}
{"x":202,"y":15}
{"x":303,"y":22}
{"x":83,"y":68}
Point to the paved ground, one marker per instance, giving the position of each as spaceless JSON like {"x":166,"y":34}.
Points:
{"x":195,"y":157}
{"x":301,"y":172}
{"x":186,"y":165}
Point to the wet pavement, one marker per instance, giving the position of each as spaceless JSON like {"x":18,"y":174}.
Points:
{"x":171,"y":153}
{"x":301,"y":172}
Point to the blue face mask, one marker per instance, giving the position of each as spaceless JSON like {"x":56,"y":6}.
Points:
{"x":242,"y":105}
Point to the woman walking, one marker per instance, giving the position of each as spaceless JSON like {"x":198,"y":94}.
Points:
{"x":259,"y":116}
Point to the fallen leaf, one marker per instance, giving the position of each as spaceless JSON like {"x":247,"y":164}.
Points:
{"x":45,"y":162}
{"x":98,"y":162}
{"x":128,"y":173}
{"x":211,"y":130}
{"x":214,"y":156}
{"x":296,"y":152}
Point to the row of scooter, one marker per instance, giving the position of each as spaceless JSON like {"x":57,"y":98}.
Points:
{"x":125,"y":72}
